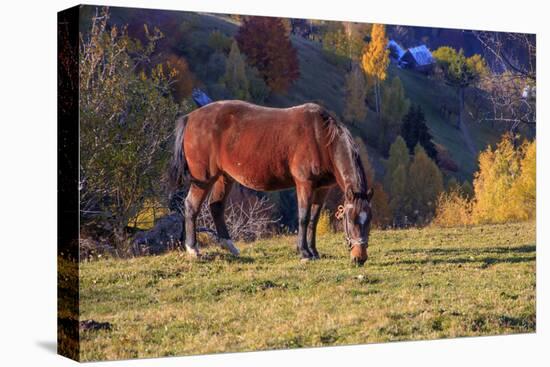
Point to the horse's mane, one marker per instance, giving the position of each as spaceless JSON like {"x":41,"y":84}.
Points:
{"x":336,"y":129}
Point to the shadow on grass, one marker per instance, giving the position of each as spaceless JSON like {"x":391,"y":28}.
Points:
{"x":218,"y":256}
{"x":486,"y":261}
{"x":469,"y":251}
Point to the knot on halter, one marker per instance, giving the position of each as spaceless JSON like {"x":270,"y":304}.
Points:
{"x":340,"y":213}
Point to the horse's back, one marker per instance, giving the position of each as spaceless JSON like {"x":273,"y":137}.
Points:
{"x":261,"y":147}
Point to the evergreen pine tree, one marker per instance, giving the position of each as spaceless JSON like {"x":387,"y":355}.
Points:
{"x":415,"y":131}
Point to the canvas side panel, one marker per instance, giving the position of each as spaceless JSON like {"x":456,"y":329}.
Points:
{"x":67,"y":184}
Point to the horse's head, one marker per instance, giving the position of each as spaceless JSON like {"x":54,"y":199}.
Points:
{"x":357,"y":215}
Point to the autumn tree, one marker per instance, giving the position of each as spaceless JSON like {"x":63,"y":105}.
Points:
{"x":394,"y":106}
{"x":524,"y":188}
{"x":375,"y":61}
{"x":395,"y":179}
{"x":126,"y":121}
{"x":398,"y":198}
{"x":356,"y":91}
{"x":459,"y":72}
{"x":268,"y":48}
{"x":424,"y":185}
{"x":415,"y":131}
{"x":504,"y":186}
{"x":235,"y":79}
{"x":346,"y":40}
{"x":183,"y":79}
{"x":399,"y":155}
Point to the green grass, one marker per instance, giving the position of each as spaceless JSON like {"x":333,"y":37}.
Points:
{"x":418,"y":284}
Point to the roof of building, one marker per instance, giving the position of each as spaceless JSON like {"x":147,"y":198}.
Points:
{"x":397,"y":48}
{"x":200,"y":97}
{"x":421,"y":55}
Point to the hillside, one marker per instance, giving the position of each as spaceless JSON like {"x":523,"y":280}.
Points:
{"x":323,"y":82}
{"x":417,"y":284}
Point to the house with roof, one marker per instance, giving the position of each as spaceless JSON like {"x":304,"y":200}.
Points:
{"x":418,"y":58}
{"x":396,"y":51}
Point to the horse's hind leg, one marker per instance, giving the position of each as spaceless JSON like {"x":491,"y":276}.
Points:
{"x":319,"y":197}
{"x":193,"y":202}
{"x":218,"y":197}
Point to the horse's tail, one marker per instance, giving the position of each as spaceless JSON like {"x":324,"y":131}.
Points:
{"x":178,"y":171}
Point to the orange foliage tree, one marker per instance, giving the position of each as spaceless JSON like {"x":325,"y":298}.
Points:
{"x":267,"y":47}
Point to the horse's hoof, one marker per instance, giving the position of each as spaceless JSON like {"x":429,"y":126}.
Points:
{"x":192,"y":253}
{"x":230,"y":246}
{"x":304,"y":260}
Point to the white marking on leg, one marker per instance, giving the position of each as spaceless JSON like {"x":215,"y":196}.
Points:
{"x":193,"y":252}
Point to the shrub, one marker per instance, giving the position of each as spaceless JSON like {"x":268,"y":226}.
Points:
{"x":150,"y":212}
{"x":324,"y":226}
{"x":247,"y":220}
{"x":126,"y":120}
{"x":453,"y":208}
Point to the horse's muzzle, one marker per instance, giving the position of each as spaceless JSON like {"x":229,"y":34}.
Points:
{"x":359,"y":254}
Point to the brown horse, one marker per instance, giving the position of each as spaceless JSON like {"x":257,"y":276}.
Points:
{"x":268,"y":149}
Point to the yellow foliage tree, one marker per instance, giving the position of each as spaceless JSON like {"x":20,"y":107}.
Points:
{"x":504,"y":188}
{"x":524,"y":189}
{"x":424,"y":184}
{"x":356,"y":92}
{"x":375,"y":60}
{"x":493,"y":182}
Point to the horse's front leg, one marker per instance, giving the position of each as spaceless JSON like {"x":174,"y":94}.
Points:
{"x":305,"y":195}
{"x":193,"y":202}
{"x":316,"y":206}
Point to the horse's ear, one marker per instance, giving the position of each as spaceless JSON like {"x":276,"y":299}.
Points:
{"x":349,"y":194}
{"x":370,"y":194}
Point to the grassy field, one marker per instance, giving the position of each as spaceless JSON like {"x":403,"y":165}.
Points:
{"x":418,"y":284}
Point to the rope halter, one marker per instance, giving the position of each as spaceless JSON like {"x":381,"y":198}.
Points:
{"x":341,"y":215}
